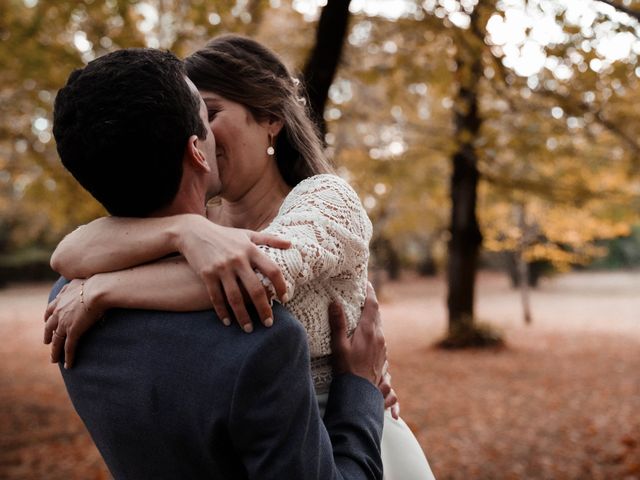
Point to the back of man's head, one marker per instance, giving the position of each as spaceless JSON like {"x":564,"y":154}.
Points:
{"x":121,"y":126}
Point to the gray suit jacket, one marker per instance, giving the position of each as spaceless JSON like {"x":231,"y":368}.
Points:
{"x":180,"y":396}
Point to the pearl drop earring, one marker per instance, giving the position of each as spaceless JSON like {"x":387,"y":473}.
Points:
{"x":270,"y":149}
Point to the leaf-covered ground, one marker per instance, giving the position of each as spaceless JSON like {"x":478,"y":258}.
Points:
{"x":562,"y":401}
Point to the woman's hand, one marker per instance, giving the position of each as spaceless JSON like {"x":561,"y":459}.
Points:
{"x":225,"y":259}
{"x":67,"y":317}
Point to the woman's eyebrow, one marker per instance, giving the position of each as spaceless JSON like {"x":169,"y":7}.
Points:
{"x":211,"y":100}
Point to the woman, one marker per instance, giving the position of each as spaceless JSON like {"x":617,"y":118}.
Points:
{"x":275,"y":179}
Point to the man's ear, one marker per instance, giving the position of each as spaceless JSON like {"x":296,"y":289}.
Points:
{"x":195,"y":156}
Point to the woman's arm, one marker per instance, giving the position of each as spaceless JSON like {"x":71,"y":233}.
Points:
{"x":168,"y":284}
{"x":323,"y":216}
{"x":112,"y":243}
{"x":329,"y":231}
{"x":224,"y":258}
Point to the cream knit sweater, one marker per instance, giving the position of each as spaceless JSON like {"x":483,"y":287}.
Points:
{"x":330,"y":232}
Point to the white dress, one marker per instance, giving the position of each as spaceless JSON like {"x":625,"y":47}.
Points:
{"x":330,"y":232}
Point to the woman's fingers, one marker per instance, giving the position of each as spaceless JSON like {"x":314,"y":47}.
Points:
{"x":258,"y":295}
{"x":68,"y":317}
{"x":50,"y":308}
{"x":271,"y":270}
{"x":57,"y":346}
{"x":49,"y":327}
{"x":217,"y":299}
{"x":236,"y":302}
{"x":228,"y":282}
{"x":70,"y":343}
{"x":269,"y":240}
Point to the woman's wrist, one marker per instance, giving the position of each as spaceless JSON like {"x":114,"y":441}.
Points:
{"x":181,"y":229}
{"x":187,"y":232}
{"x":95,"y":293}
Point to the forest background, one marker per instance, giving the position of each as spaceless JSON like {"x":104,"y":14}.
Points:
{"x":480,"y":134}
{"x":467,"y":127}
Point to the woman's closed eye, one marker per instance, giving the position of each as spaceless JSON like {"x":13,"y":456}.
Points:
{"x":211,"y":113}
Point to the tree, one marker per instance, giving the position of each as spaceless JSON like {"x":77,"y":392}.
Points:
{"x":391,"y":134}
{"x":466,"y":238}
{"x":561,"y":148}
{"x":322,"y":63}
{"x":580,"y":151}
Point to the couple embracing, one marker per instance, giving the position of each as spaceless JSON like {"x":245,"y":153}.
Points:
{"x":221,"y":316}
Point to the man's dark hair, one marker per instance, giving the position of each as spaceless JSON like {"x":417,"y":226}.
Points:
{"x":121,"y":126}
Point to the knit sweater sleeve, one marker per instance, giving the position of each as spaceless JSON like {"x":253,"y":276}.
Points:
{"x":329,"y":232}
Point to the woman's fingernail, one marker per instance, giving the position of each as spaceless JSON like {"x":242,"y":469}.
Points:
{"x":66,"y":366}
{"x":248,"y":328}
{"x":285,"y":298}
{"x":268,"y":322}
{"x":226,"y":322}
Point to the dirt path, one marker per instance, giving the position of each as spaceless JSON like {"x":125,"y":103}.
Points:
{"x":561,"y":402}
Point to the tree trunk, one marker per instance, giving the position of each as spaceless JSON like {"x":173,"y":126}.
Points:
{"x":466,"y":238}
{"x":523,"y":265}
{"x":323,"y":61}
{"x":386,"y":257}
{"x":523,"y":272}
{"x":465,"y":241}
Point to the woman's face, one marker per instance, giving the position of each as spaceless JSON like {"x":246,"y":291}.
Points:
{"x":241,"y":144}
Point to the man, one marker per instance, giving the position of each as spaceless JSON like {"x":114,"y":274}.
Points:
{"x":180,"y":396}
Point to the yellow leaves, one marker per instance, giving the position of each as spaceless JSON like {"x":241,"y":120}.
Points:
{"x":564,"y":235}
{"x":561,"y":258}
{"x":40,"y":47}
{"x":492,"y":244}
{"x":571,"y":173}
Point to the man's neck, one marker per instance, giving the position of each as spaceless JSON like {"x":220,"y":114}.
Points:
{"x":191,"y":196}
{"x":179,"y":208}
{"x":190,"y":200}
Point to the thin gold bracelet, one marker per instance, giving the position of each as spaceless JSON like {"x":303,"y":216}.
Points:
{"x":82,"y":297}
